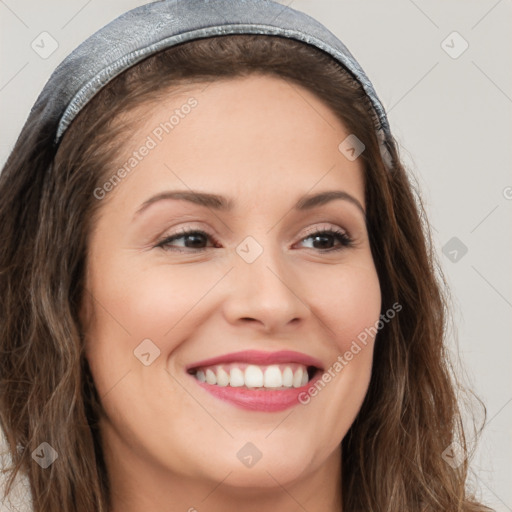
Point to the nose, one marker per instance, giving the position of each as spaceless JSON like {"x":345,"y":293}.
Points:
{"x":266,"y":293}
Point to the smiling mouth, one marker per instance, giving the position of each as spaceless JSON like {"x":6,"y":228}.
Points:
{"x":273,"y":377}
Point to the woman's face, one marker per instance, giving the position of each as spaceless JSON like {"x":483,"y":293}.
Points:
{"x":251,"y":303}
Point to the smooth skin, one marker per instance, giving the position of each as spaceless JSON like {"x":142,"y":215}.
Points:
{"x":262,"y":143}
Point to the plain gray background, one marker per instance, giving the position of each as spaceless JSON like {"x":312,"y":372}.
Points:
{"x":450,"y":110}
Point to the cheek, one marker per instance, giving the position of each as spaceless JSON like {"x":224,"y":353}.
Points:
{"x":132,"y":303}
{"x":144,"y":299}
{"x":348,"y":302}
{"x":349,"y":307}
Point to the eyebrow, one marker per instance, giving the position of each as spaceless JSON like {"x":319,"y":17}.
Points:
{"x":221,"y":203}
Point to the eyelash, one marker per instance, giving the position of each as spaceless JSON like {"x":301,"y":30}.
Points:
{"x":342,"y":237}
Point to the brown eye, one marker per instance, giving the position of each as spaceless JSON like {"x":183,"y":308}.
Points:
{"x":324,"y":239}
{"x":193,"y":239}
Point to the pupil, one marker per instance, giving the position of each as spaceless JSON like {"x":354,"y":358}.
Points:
{"x":324,"y":239}
{"x":196,"y":239}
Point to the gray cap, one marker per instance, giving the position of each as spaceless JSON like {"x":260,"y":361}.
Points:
{"x":156,"y":26}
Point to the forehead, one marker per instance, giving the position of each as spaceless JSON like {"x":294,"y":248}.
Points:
{"x":253,"y":136}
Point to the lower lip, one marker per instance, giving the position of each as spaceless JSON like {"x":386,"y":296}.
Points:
{"x":255,"y":400}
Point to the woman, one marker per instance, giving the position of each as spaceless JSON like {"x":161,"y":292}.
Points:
{"x":217,"y":290}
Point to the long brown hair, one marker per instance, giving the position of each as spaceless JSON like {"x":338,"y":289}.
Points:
{"x":391,"y":456}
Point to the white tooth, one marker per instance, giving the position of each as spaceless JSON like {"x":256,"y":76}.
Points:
{"x":200,"y":376}
{"x":305,"y":378}
{"x":287,"y":377}
{"x":222,"y":377}
{"x":273,"y":377}
{"x":236,"y":378}
{"x":297,"y":378}
{"x":253,"y":377}
{"x":210,"y":377}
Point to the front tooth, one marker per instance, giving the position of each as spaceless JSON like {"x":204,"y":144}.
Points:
{"x":236,"y":378}
{"x":222,"y":377}
{"x":211,"y":378}
{"x":305,"y":378}
{"x":273,"y":377}
{"x":297,"y":378}
{"x":253,"y":377}
{"x":287,"y":377}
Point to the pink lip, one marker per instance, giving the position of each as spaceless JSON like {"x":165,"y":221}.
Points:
{"x":255,"y":400}
{"x":260,"y":358}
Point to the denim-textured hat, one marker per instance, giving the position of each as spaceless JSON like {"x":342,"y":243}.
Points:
{"x":156,"y":26}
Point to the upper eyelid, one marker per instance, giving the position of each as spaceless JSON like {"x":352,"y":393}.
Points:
{"x":327,"y":227}
{"x":324,"y":226}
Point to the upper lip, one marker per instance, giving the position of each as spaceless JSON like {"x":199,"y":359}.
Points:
{"x":260,"y":358}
